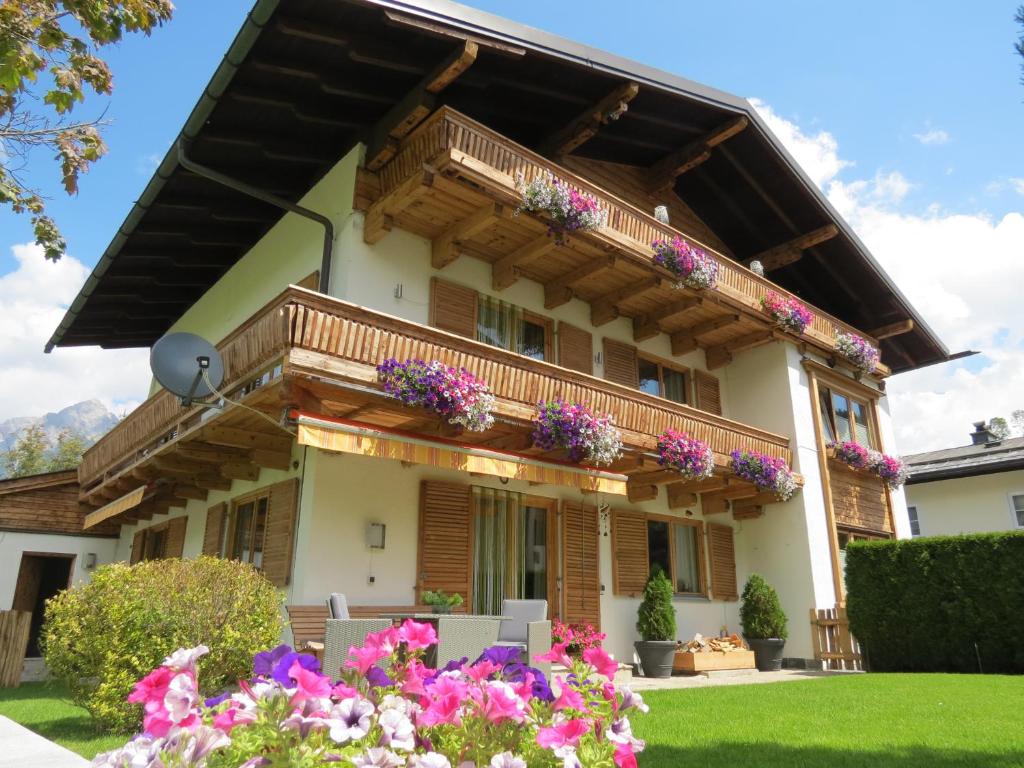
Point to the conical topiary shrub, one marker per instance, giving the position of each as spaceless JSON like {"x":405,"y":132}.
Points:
{"x":656,"y":618}
{"x":764,"y":623}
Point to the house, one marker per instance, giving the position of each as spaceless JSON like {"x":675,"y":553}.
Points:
{"x":345,"y":192}
{"x":44,"y":546}
{"x":968,"y":489}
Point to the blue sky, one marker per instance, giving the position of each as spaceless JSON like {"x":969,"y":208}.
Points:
{"x":908,"y":116}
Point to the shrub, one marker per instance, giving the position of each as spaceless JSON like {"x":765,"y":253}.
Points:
{"x":656,"y":617}
{"x":760,"y":614}
{"x":100,"y":637}
{"x":939,"y":604}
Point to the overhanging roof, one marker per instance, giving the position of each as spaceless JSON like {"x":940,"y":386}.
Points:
{"x":966,"y":461}
{"x":305,"y":81}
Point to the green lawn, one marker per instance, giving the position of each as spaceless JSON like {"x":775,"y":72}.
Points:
{"x":46,"y":709}
{"x":903,"y":721}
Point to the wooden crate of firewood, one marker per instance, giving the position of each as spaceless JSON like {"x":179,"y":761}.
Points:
{"x":711,"y":654}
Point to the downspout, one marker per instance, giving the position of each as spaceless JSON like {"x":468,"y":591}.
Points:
{"x":248,"y":189}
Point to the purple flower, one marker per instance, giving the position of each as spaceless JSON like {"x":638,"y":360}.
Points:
{"x":215,"y":700}
{"x":276,"y":663}
{"x":501,"y":655}
{"x":541,"y":689}
{"x":378,"y":678}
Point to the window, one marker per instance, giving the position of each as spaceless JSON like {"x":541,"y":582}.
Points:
{"x":246,"y":530}
{"x":1017,"y":502}
{"x":661,"y":380}
{"x":844,"y":418}
{"x":915,"y":525}
{"x":676,"y":547}
{"x":507,"y":326}
{"x":154,"y":545}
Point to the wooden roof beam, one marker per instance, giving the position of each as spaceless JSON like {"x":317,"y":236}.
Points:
{"x":560,"y":290}
{"x":793,"y":250}
{"x":505,"y":271}
{"x":721,"y":354}
{"x":688,"y":339}
{"x":606,"y":308}
{"x":663,"y":173}
{"x":648,"y":326}
{"x":380,"y":217}
{"x":585,"y":126}
{"x":445,"y":248}
{"x":892,"y":329}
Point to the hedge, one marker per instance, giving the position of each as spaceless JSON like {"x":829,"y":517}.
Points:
{"x":939,"y":604}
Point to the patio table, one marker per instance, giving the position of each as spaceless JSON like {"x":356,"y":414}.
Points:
{"x":433,"y":618}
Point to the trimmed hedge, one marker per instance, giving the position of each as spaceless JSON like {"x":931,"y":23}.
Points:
{"x":938,"y":604}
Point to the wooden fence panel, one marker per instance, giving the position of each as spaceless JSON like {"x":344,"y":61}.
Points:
{"x":14,"y":627}
{"x":833,"y":643}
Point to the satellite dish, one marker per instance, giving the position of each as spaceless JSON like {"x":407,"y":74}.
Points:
{"x":186,"y":365}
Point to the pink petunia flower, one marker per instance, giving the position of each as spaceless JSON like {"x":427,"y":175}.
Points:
{"x":417,"y":635}
{"x":624,"y":757}
{"x":153,"y":687}
{"x":600,"y":660}
{"x":566,"y":733}
{"x":501,"y":703}
{"x":568,"y":698}
{"x":363,"y":658}
{"x":308,"y":684}
{"x":557,"y":655}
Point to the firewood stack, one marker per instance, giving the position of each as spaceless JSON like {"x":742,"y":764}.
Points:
{"x":701,"y":644}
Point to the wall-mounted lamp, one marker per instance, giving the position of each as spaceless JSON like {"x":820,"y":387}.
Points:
{"x":90,"y":561}
{"x":375,"y":533}
{"x":398,"y":290}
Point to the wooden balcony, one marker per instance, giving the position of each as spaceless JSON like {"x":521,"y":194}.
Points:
{"x":453,"y":181}
{"x":309,"y":351}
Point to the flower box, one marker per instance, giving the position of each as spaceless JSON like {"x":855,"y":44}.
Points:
{"x":569,"y":209}
{"x":692,"y":663}
{"x":693,"y":267}
{"x":788,"y":313}
{"x":573,"y":428}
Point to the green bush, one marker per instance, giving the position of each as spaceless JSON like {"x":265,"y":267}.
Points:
{"x":939,"y":604}
{"x":656,"y":617}
{"x":101,"y":637}
{"x":760,"y":614}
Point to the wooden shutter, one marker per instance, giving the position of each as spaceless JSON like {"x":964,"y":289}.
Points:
{"x":707,"y":395}
{"x":279,"y":539}
{"x":453,"y":307}
{"x":138,"y":542}
{"x":443,"y":560}
{"x":581,"y":578}
{"x":575,"y":348}
{"x":620,"y":363}
{"x":722,"y":555}
{"x":216,"y":516}
{"x":176,"y":528}
{"x":630,"y":563}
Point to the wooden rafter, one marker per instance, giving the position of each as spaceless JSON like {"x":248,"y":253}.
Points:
{"x":664,"y":172}
{"x":688,"y":339}
{"x":380,"y":216}
{"x":246,"y":438}
{"x":649,"y":325}
{"x":679,"y":497}
{"x":892,"y":329}
{"x":446,"y":245}
{"x":586,"y":125}
{"x":505,"y":271}
{"x":606,"y":308}
{"x":793,"y":250}
{"x":560,"y":290}
{"x":721,"y":354}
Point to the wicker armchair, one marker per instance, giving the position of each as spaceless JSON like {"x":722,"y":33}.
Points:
{"x":341,"y":635}
{"x":469,"y":636}
{"x":527,"y":629}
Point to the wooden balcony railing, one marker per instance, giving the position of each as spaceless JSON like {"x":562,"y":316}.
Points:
{"x":453,"y":143}
{"x":303,"y":334}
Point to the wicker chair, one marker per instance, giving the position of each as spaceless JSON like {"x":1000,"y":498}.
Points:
{"x":468,"y":637}
{"x":341,"y":635}
{"x":528,"y":629}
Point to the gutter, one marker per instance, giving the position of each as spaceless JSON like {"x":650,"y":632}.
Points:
{"x":255,"y":20}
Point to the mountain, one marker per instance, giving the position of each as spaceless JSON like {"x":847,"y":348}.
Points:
{"x":89,"y":418}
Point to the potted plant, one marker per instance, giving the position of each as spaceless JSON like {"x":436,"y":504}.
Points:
{"x":440,"y":601}
{"x":764,"y":623}
{"x":656,"y":623}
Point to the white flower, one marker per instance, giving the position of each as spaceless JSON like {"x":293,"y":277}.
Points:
{"x":397,"y":730}
{"x":140,"y":752}
{"x":350,"y":720}
{"x":378,"y":757}
{"x":181,"y":696}
{"x":185,"y":658}
{"x":633,"y":700}
{"x":568,"y":757}
{"x":429,"y":760}
{"x":507,"y":760}
{"x":406,"y":706}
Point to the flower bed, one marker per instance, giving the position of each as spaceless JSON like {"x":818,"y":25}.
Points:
{"x":691,"y":265}
{"x":857,"y":350}
{"x":387,"y":710}
{"x":569,"y":209}
{"x":787,"y":312}
{"x":766,"y":472}
{"x":890,"y":469}
{"x":691,"y":458}
{"x":455,"y":394}
{"x":572,"y":427}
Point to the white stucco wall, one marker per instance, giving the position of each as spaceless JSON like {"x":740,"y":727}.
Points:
{"x":14,"y":544}
{"x":968,"y":504}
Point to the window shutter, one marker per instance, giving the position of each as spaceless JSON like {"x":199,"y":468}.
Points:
{"x":708,"y":398}
{"x":575,"y":348}
{"x":620,"y":363}
{"x":722,"y":555}
{"x":581,"y":579}
{"x":278,"y":541}
{"x":453,"y":308}
{"x":214,"y":533}
{"x":444,"y":551}
{"x":176,"y":537}
{"x":137,"y":544}
{"x":630,"y":564}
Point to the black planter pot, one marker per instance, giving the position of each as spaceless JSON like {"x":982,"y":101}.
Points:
{"x":767,"y":653}
{"x":656,"y":657}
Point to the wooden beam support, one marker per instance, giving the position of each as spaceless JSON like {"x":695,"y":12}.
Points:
{"x":663,"y":173}
{"x":505,"y":271}
{"x":586,"y":125}
{"x":200,"y":451}
{"x":637,"y":493}
{"x":244,"y":438}
{"x":606,"y":308}
{"x":793,"y":250}
{"x":190,"y":492}
{"x":240,"y":470}
{"x":212,"y":482}
{"x":700,"y":486}
{"x":688,"y":339}
{"x":679,"y":497}
{"x":648,"y":326}
{"x":449,"y":70}
{"x":747,"y":511}
{"x":176,"y":463}
{"x":713,"y":504}
{"x":892,"y":329}
{"x":560,"y":290}
{"x":270,"y":459}
{"x":381,"y":215}
{"x":721,"y":355}
{"x":445,"y":248}
{"x":654,"y":477}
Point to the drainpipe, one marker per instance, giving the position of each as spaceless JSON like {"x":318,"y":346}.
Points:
{"x":248,"y":189}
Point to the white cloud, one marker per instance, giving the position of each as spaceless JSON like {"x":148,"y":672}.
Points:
{"x":146,"y":165}
{"x":1018,"y":185}
{"x":962,"y":271}
{"x":932,"y":136}
{"x":33,"y":298}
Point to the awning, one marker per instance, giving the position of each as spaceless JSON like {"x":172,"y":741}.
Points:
{"x":362,"y":439}
{"x":116,"y":507}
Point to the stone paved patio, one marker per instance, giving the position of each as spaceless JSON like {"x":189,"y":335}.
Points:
{"x":20,"y":748}
{"x":740,"y":677}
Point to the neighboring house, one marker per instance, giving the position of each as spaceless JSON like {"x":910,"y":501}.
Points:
{"x":405,"y":125}
{"x":44,"y":547}
{"x":970,"y":489}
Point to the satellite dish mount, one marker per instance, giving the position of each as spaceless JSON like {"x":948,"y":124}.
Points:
{"x":188,"y":366}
